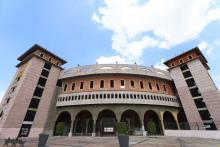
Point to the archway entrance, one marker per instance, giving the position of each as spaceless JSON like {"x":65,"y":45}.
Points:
{"x":83,"y":124}
{"x":132,"y":119}
{"x":152,"y":123}
{"x":169,"y":121}
{"x":183,"y":123}
{"x":106,"y":123}
{"x":62,"y":125}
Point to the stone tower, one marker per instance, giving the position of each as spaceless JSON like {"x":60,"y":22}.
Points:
{"x":27,"y":103}
{"x":199,"y":96}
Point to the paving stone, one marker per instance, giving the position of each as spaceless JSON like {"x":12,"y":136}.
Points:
{"x":135,"y":141}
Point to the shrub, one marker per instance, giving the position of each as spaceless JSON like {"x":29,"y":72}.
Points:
{"x":60,"y":128}
{"x":122,"y":128}
{"x":151,"y":128}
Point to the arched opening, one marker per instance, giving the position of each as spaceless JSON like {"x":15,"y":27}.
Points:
{"x":106,"y":123}
{"x":133,"y":121}
{"x":169,"y":121}
{"x":83,"y":124}
{"x":62,"y":125}
{"x":183,"y":123}
{"x":152,"y":123}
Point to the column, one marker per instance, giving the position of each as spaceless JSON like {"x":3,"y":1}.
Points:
{"x":142,"y":125}
{"x":74,"y":129}
{"x":87,"y":122}
{"x":161,"y":121}
{"x":143,"y":129}
{"x":177,"y":123}
{"x":118,"y":117}
{"x":94,"y":127}
{"x":176,"y":120}
{"x":71,"y":129}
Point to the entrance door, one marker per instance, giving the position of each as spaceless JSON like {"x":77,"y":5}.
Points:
{"x":108,"y":126}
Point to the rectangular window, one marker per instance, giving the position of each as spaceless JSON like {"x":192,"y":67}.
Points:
{"x":45,"y":73}
{"x":65,"y":87}
{"x":38,"y":92}
{"x":102,"y":84}
{"x":141,"y":85}
{"x":132,"y":84}
{"x":112,"y":83}
{"x":122,"y":83}
{"x":199,"y":103}
{"x":30,"y":115}
{"x":187,"y":74}
{"x":73,"y":86}
{"x":190,"y":82}
{"x":81,"y":85}
{"x":158,"y":87}
{"x":42,"y":81}
{"x":184,"y":67}
{"x":25,"y":129}
{"x":91,"y":84}
{"x":190,"y":57}
{"x":195,"y":92}
{"x":12,"y":89}
{"x":150,"y":85}
{"x":47,"y":66}
{"x":34,"y":103}
{"x":7,"y":100}
{"x":18,"y":78}
{"x":164,"y":87}
{"x":205,"y":115}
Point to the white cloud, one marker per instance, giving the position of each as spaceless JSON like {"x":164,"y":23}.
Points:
{"x":111,"y":60}
{"x":156,"y":23}
{"x":160,"y":65}
{"x":204,"y":46}
{"x":95,"y":17}
{"x":131,"y":50}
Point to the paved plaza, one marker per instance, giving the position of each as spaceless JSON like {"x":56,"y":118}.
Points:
{"x":160,"y":141}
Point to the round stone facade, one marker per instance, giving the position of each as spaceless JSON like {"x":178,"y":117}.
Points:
{"x":94,"y":98}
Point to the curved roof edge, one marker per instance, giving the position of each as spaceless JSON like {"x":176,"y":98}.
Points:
{"x":131,"y":69}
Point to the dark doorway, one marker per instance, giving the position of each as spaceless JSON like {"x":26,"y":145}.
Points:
{"x":106,"y":123}
{"x":169,"y":121}
{"x":152,"y":123}
{"x":133,"y":121}
{"x":62,"y":125}
{"x":83,"y":124}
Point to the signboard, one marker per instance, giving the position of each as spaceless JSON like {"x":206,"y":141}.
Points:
{"x":109,"y":130}
{"x":206,"y":126}
{"x":24,"y":131}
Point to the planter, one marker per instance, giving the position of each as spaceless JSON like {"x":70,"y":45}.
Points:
{"x":42,"y":140}
{"x":123,"y":140}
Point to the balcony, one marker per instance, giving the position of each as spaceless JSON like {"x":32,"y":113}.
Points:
{"x":117,"y":97}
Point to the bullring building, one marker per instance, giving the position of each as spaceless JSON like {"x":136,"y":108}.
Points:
{"x":43,"y":97}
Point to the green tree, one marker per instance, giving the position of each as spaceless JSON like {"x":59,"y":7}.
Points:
{"x":151,"y":128}
{"x":60,"y":128}
{"x":122,"y":128}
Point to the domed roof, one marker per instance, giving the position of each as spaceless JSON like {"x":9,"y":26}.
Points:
{"x":131,"y":69}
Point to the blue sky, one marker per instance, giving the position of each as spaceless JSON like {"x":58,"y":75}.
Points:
{"x":127,"y":31}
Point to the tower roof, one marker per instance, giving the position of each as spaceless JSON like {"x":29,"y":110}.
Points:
{"x":195,"y":49}
{"x":38,"y":47}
